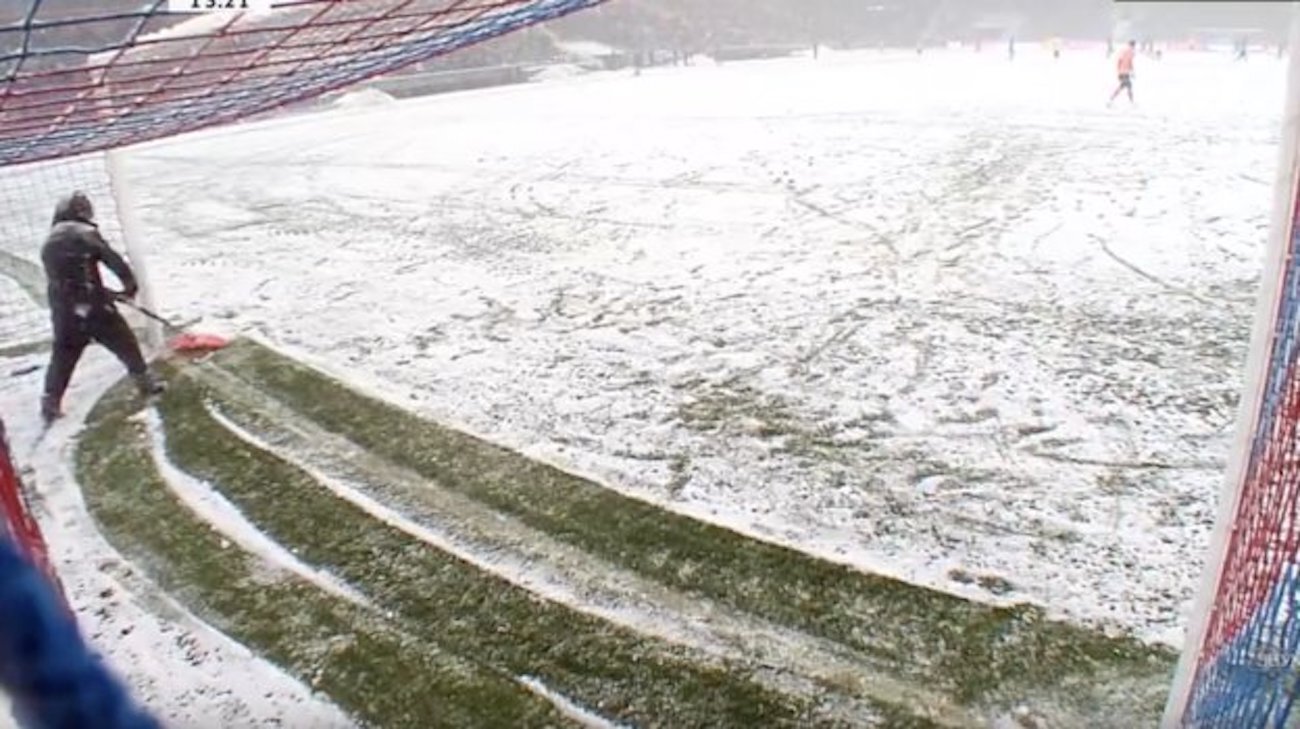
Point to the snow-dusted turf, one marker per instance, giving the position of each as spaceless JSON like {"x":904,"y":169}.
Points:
{"x":943,"y":317}
{"x":215,"y":509}
{"x":468,"y":545}
{"x":184,"y":670}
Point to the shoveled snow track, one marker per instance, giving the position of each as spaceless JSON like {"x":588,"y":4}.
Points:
{"x":185,"y":670}
{"x":213,"y":508}
{"x":535,"y":561}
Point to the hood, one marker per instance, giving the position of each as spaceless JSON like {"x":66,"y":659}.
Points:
{"x":74,"y":207}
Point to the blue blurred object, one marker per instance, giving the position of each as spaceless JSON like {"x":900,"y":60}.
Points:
{"x":46,"y":668}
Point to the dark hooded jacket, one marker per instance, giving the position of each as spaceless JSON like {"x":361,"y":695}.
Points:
{"x":71,"y":256}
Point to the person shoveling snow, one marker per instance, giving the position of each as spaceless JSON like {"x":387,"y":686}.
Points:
{"x":83,"y":310}
{"x":81,"y":307}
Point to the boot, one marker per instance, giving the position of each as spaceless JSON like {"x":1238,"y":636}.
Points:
{"x":149,"y":384}
{"x":50,"y":410}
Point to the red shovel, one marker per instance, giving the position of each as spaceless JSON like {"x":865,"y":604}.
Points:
{"x":181,"y":341}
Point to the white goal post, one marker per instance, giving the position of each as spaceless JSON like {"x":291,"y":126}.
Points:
{"x":1278,"y":261}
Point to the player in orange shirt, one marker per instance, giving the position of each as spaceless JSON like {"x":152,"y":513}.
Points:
{"x":1125,"y":68}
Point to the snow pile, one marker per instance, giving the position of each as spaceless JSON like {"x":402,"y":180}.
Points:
{"x":364,"y":98}
{"x":559,"y":71}
{"x":587,"y":49}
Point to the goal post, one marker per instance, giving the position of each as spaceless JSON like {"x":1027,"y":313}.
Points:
{"x":1240,"y":667}
{"x":128,"y":219}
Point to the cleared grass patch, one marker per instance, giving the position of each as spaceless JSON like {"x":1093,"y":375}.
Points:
{"x":462,"y":609}
{"x":979,"y":654}
{"x":500,"y":544}
{"x":375,"y":668}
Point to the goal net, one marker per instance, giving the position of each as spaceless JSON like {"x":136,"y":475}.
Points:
{"x":28,"y":194}
{"x":1240,"y":667}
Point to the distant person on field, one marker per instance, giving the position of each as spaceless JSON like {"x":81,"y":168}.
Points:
{"x":81,"y":307}
{"x":1124,"y":66}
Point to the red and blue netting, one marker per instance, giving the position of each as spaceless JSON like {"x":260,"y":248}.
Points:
{"x":1248,"y":674}
{"x":80,"y":76}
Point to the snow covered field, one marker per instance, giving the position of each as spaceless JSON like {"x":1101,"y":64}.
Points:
{"x":944,"y":317}
{"x":923,"y":315}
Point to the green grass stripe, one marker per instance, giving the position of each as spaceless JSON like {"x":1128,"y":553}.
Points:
{"x":588,"y":580}
{"x":461,"y":608}
{"x":370,"y":666}
{"x":980,"y":654}
{"x":823,"y":665}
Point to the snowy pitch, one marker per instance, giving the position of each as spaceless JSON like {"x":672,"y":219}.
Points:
{"x":946,"y":317}
{"x":918,"y":314}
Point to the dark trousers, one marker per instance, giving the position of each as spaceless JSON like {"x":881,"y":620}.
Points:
{"x":72,"y":333}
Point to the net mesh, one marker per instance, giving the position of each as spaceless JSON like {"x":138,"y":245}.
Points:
{"x":78,"y":78}
{"x":1247,"y":673}
{"x":28,"y":194}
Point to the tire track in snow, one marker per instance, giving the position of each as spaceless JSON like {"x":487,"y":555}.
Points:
{"x":1148,"y":276}
{"x":535,"y":561}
